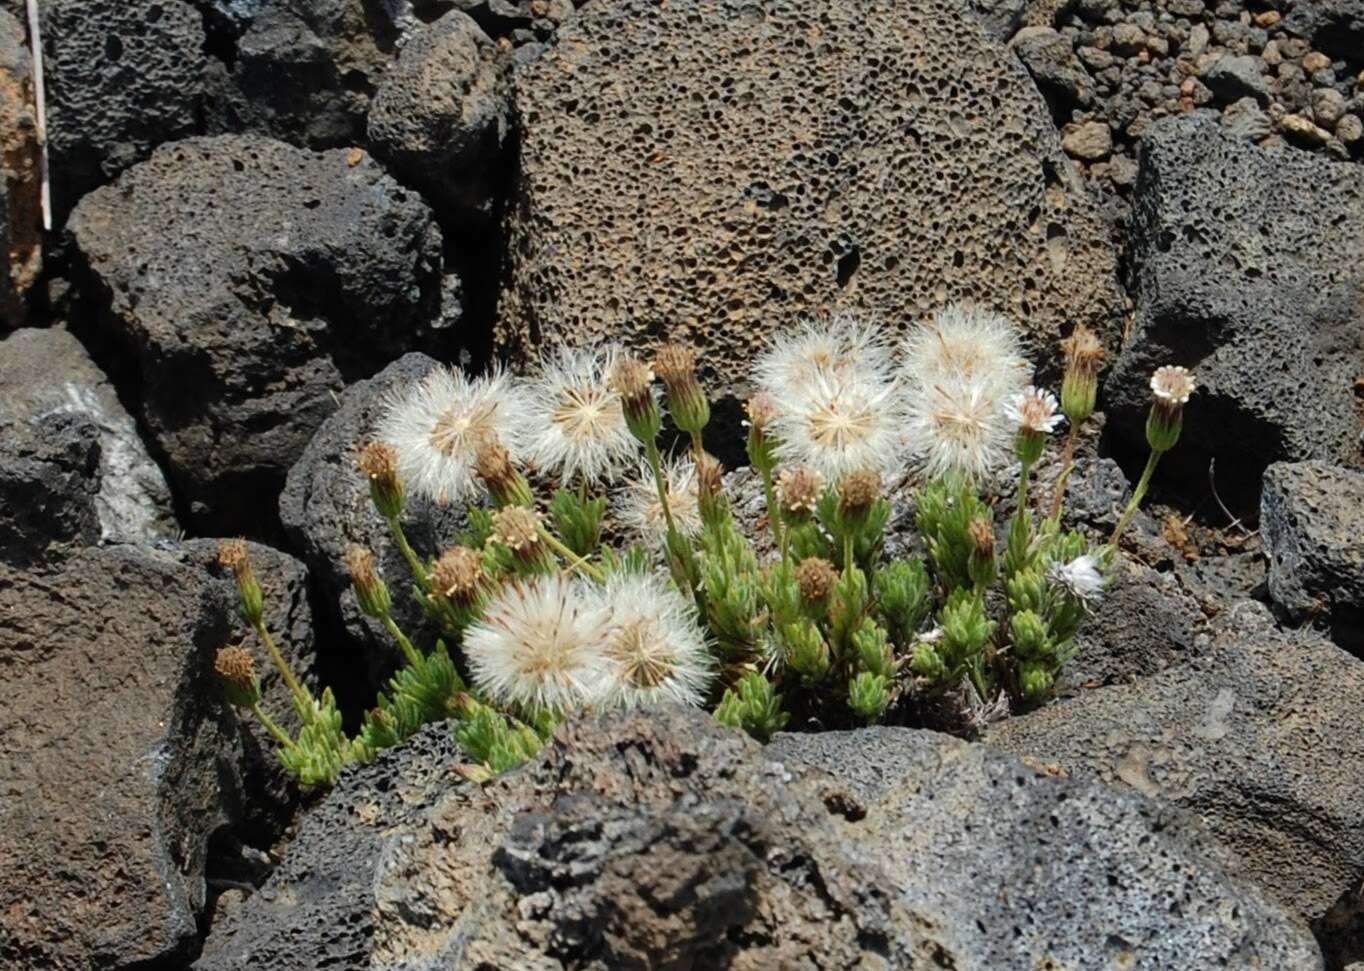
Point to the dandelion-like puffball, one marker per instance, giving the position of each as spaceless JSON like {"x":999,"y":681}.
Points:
{"x":966,"y":343}
{"x":539,"y":644}
{"x":1081,"y":577}
{"x":958,"y":373}
{"x":655,"y":650}
{"x":840,"y":424}
{"x":840,"y":347}
{"x":436,"y":427}
{"x":642,"y":512}
{"x":574,"y":424}
{"x":1033,"y":410}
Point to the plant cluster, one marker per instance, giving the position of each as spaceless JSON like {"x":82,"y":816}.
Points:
{"x":798,"y":615}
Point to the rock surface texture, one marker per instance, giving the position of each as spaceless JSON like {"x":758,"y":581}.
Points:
{"x":20,"y":179}
{"x":1228,"y":244}
{"x":49,"y":487}
{"x":118,"y":759}
{"x":667,"y":840}
{"x":1258,"y":737}
{"x":1312,"y":522}
{"x":255,"y":279}
{"x":326,"y":509}
{"x":913,"y":164}
{"x":46,"y":372}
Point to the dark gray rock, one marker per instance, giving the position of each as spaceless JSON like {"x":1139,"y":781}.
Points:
{"x":118,"y":759}
{"x":1312,"y":523}
{"x":1050,"y":59}
{"x":20,"y":174}
{"x":317,"y":910}
{"x":1232,"y":77}
{"x":302,"y":71}
{"x":123,"y":76}
{"x":635,"y":230}
{"x":255,"y":280}
{"x":1333,"y":26}
{"x":326,"y":509}
{"x":1226,"y":240}
{"x":1218,"y":582}
{"x":47,"y":372}
{"x":441,"y":117}
{"x":1257,"y":735}
{"x":49,"y":487}
{"x":664,"y":839}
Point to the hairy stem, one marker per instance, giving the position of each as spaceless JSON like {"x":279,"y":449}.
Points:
{"x":414,"y":657}
{"x":272,"y":726}
{"x":773,"y":513}
{"x":414,"y":562}
{"x":574,"y":561}
{"x":1138,"y":494}
{"x":301,"y":694}
{"x":1067,"y":465}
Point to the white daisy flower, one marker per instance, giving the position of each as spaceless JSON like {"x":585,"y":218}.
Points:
{"x":539,"y":644}
{"x":959,"y":426}
{"x":642,"y":512}
{"x":1034,"y":410}
{"x":573,"y":424}
{"x":841,"y":346}
{"x":970,"y":343}
{"x":1081,"y":577}
{"x":436,"y":426}
{"x":1173,"y":385}
{"x":836,"y":424}
{"x":655,"y":650}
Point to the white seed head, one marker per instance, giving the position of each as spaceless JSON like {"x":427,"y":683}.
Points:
{"x":966,"y":343}
{"x":540,"y":643}
{"x":1081,"y":577}
{"x":838,"y":424}
{"x":574,"y":425}
{"x":958,"y":425}
{"x":655,"y":650}
{"x":1174,"y":385}
{"x":1034,"y":410}
{"x":839,"y":347}
{"x":642,"y":512}
{"x":436,"y":427}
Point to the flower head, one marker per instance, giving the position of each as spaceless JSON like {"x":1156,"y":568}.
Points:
{"x":1174,"y":385}
{"x":968,"y":344}
{"x":539,"y":644}
{"x":655,"y":649}
{"x":840,"y":347}
{"x":1033,"y":410}
{"x":236,"y":669}
{"x":798,"y":490}
{"x":371,"y":593}
{"x":378,"y":463}
{"x":1171,"y":388}
{"x":958,"y":426}
{"x":1084,"y":354}
{"x":1081,"y":577}
{"x":642,"y":512}
{"x":842,"y":423}
{"x":675,"y":365}
{"x":632,"y":379}
{"x":436,"y":427}
{"x":574,"y":423}
{"x":459,"y":574}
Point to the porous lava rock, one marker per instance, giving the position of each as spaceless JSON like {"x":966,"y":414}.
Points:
{"x":20,"y":174}
{"x":1257,"y":735}
{"x":712,"y":170}
{"x":663,"y":839}
{"x":1312,"y":523}
{"x":254,"y":280}
{"x":1227,"y":245}
{"x":122,"y":77}
{"x":326,"y":509}
{"x":49,"y":487}
{"x":441,"y":117}
{"x":46,"y":372}
{"x":119,"y":760}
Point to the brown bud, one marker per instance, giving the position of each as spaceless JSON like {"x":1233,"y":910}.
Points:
{"x":1083,"y":351}
{"x":799,"y":489}
{"x":232,"y":554}
{"x":458,"y":574}
{"x":379,"y":464}
{"x":675,"y":363}
{"x":762,"y":411}
{"x":517,"y":528}
{"x":360,"y":564}
{"x":816,"y":578}
{"x":982,"y":533}
{"x":631,"y":378}
{"x":858,"y":490}
{"x":676,"y":367}
{"x":493,"y":464}
{"x":710,"y":475}
{"x":237,"y":670}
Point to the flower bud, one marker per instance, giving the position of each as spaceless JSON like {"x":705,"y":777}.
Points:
{"x":634,"y":382}
{"x":370,"y":591}
{"x":762,"y":447}
{"x":675,"y":365}
{"x":798,"y":492}
{"x":506,"y":485}
{"x":1171,"y":388}
{"x":856,"y":493}
{"x":816,"y":577}
{"x":236,"y":670}
{"x":232,"y":554}
{"x":1033,"y":412}
{"x":710,"y":492}
{"x":459,"y":576}
{"x":519,"y":529}
{"x":379,"y":464}
{"x":981,"y":563}
{"x":1084,"y":356}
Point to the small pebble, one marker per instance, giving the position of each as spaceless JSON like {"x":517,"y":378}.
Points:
{"x":1268,"y":18}
{"x":1270,"y":55}
{"x":1315,"y":61}
{"x":1350,"y":129}
{"x":1089,"y":141}
{"x":1303,"y":130}
{"x":1328,"y":107}
{"x":1198,"y":40}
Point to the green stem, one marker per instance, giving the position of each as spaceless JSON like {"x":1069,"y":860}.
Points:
{"x":414,"y":657}
{"x":271,"y":726}
{"x":1067,"y":466}
{"x":573,"y":559}
{"x":1138,"y":494}
{"x":848,"y":565}
{"x":414,"y":562}
{"x":304,"y":698}
{"x":656,"y":465}
{"x":675,"y":539}
{"x":773,"y":513}
{"x":1024,"y":474}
